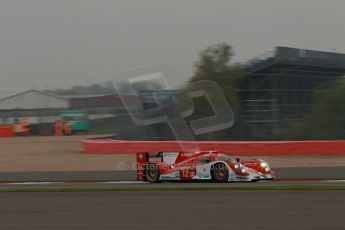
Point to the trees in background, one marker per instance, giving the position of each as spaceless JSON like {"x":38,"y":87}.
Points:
{"x":326,"y":119}
{"x":79,"y":90}
{"x":215,"y":64}
{"x":105,"y":88}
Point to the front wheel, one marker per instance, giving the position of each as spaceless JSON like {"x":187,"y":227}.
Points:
{"x":152,"y":173}
{"x":220,"y":173}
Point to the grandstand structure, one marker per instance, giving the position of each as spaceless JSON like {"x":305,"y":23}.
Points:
{"x":279,"y":89}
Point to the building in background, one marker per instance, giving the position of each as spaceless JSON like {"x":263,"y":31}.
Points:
{"x":42,"y":109}
{"x":106,"y":113}
{"x":279,"y":89}
{"x":30,"y":100}
{"x":37,"y":107}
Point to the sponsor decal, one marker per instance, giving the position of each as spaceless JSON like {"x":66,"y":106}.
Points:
{"x":171,"y":175}
{"x":203,"y":176}
{"x":186,"y":154}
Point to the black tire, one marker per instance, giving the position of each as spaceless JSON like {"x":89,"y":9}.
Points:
{"x":220,"y":173}
{"x":152,"y":173}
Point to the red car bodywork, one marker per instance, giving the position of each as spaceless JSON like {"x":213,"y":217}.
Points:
{"x":186,"y":166}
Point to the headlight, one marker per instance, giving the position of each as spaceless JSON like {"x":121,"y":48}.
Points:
{"x":240,"y":168}
{"x":265,"y":166}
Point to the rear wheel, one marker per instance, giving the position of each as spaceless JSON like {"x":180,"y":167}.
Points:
{"x":152,"y":173}
{"x":220,"y":173}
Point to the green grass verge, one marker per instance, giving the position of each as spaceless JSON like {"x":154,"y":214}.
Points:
{"x":180,"y":188}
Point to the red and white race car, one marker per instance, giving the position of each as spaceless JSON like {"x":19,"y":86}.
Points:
{"x":211,"y":165}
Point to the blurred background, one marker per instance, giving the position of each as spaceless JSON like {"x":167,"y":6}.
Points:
{"x":279,"y":64}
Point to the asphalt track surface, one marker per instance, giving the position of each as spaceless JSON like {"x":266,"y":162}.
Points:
{"x":145,"y":186}
{"x":282,"y":173}
{"x":321,"y":176}
{"x":190,"y":208}
{"x":173,"y":210}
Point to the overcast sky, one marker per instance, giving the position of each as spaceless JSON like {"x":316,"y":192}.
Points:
{"x":59,"y":43}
